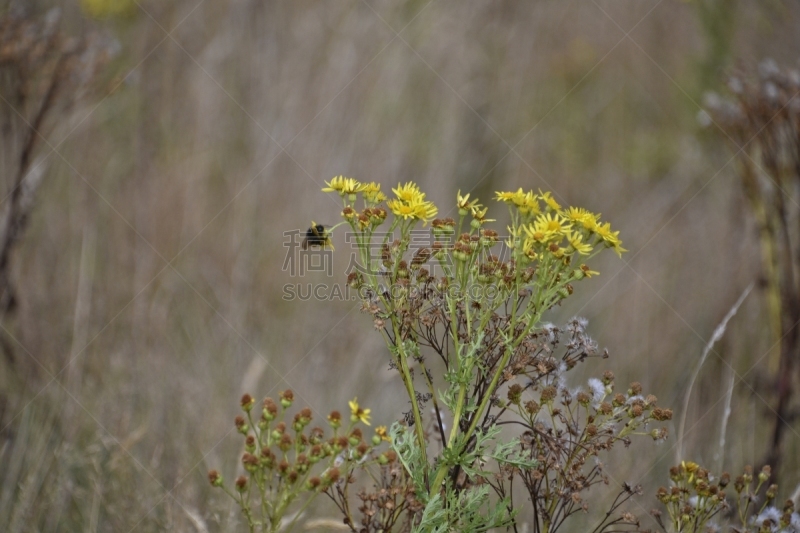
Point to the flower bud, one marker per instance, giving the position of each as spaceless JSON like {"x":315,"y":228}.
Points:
{"x":335,"y":419}
{"x":247,"y":403}
{"x":241,"y":425}
{"x":287,"y":397}
{"x":763,"y":476}
{"x":250,"y":462}
{"x":215,"y":478}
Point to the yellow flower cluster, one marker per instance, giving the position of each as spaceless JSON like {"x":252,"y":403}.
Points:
{"x":410,"y":203}
{"x":478,"y":211}
{"x":372,"y":193}
{"x":343,"y":185}
{"x":526,"y":203}
{"x":541,"y":225}
{"x":558,"y":230}
{"x":350,"y":187}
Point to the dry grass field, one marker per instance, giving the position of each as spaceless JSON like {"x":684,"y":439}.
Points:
{"x":149,"y":279}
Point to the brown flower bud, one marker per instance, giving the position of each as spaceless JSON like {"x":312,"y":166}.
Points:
{"x":214,"y":478}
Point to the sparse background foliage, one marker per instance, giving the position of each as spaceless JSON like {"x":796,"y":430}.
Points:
{"x":148,"y":279}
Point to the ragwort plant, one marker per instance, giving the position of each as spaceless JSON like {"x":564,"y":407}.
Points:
{"x":461,"y":314}
{"x":287,"y":464}
{"x":697,"y":502}
{"x":462,"y":319}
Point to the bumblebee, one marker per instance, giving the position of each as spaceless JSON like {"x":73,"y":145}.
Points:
{"x":317,"y":235}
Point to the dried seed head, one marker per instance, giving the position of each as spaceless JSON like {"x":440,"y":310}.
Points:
{"x":662,"y":414}
{"x":515,"y":393}
{"x":548,"y":394}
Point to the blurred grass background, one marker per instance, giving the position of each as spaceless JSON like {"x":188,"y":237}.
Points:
{"x":150,"y":279}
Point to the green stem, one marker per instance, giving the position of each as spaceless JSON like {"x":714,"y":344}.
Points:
{"x":300,"y":512}
{"x":443,"y":468}
{"x":403,"y":360}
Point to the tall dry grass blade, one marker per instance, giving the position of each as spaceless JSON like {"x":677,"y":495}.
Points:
{"x":82,"y":309}
{"x":723,"y":428}
{"x":196,"y":519}
{"x":718,"y":332}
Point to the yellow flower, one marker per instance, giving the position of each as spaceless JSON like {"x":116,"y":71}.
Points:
{"x":382,"y":433}
{"x":505,"y":196}
{"x":575,"y":239}
{"x":372,"y":193}
{"x":343,"y":185}
{"x":611,"y":238}
{"x":425,"y":211}
{"x":529,"y":248}
{"x":370,"y":188}
{"x":588,"y":272}
{"x":526,"y":202}
{"x":462,"y":202}
{"x":401,"y":209}
{"x":517,"y":198}
{"x":547,"y":227}
{"x":411,"y":203}
{"x":556,"y":224}
{"x":409,"y":192}
{"x":480,"y":214}
{"x":581,"y":215}
{"x":690,"y":468}
{"x":531,"y":205}
{"x":547,"y":198}
{"x":357,"y":413}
